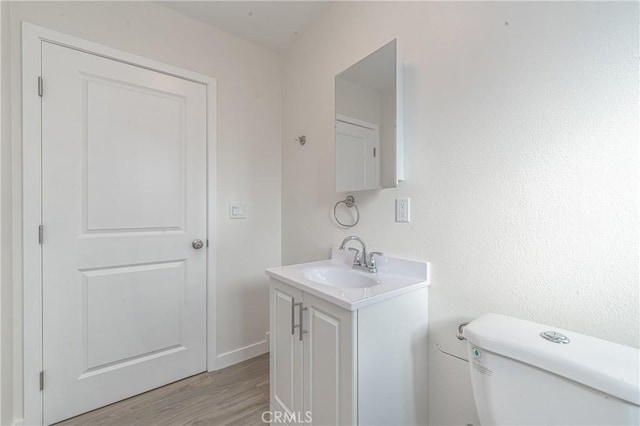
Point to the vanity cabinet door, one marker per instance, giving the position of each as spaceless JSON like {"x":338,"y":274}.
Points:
{"x":329,"y":363}
{"x":286,"y":350}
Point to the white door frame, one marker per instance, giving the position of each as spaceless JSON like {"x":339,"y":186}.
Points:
{"x":32,"y":38}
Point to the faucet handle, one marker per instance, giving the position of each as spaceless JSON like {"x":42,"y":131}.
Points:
{"x":372,"y":260}
{"x":356,"y":258}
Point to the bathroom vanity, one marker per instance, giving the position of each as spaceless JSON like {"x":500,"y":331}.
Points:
{"x":349,"y":347}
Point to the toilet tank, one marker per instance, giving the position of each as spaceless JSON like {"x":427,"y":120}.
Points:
{"x":521,"y":378}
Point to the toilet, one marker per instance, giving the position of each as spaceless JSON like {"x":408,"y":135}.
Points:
{"x":524,"y":373}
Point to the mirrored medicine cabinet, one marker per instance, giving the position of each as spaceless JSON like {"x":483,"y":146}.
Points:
{"x":368,"y":134}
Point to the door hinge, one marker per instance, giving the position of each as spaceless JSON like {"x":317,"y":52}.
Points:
{"x":42,"y":380}
{"x":40,"y":86}
{"x":40,"y":234}
{"x":374,"y":151}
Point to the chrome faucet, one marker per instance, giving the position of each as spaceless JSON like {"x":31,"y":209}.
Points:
{"x":362,"y":261}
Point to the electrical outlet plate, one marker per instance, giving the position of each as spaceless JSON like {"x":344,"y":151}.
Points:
{"x":403,"y":210}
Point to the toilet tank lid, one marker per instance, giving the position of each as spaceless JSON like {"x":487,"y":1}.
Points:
{"x":609,"y":367}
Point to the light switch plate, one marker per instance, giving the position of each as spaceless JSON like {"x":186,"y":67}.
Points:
{"x":237,"y":210}
{"x":403,"y":209}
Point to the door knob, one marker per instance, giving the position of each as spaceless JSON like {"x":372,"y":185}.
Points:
{"x":197,"y":244}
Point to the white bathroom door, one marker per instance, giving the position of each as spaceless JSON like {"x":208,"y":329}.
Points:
{"x":123,"y":197}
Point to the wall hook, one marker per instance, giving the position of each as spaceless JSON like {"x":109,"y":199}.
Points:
{"x":302,"y":139}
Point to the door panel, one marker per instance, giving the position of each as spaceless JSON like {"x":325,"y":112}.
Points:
{"x":329,"y":367}
{"x":324,"y":372}
{"x":151,"y":166}
{"x":123,"y":196}
{"x":286,"y":349}
{"x":133,"y":312}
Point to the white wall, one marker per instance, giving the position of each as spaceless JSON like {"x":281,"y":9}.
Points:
{"x":249,"y":120}
{"x":521,"y":130}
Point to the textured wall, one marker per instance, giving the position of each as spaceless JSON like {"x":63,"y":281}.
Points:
{"x":521,"y":130}
{"x":248,"y":142}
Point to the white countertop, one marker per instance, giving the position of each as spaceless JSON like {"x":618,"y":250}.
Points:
{"x":396,"y":276}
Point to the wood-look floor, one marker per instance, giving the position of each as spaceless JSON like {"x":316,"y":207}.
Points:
{"x":237,"y":395}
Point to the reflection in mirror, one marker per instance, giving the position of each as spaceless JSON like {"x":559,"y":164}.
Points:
{"x":367,"y":138}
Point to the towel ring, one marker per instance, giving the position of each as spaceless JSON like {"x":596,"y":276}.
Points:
{"x":349,"y":202}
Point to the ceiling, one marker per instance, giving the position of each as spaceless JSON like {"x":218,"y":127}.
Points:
{"x":272,"y":24}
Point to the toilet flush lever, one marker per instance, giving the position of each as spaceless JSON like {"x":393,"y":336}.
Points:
{"x":460,"y":336}
{"x":460,"y":333}
{"x":450,"y":354}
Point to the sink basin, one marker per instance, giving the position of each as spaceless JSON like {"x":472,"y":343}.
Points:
{"x":340,"y":277}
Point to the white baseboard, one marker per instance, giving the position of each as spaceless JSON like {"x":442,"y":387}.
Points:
{"x":242,"y":354}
